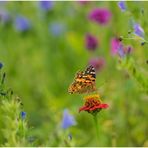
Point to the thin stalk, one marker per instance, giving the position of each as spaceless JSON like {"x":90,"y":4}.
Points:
{"x":133,"y":38}
{"x":96,"y":125}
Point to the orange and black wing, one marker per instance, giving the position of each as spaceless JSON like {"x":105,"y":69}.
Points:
{"x":84,"y":81}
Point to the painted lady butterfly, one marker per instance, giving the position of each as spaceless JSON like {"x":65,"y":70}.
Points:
{"x":84,"y":81}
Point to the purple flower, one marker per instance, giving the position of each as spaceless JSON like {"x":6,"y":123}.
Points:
{"x":68,"y":120}
{"x":115,"y":43}
{"x":98,"y":63}
{"x":124,"y":50}
{"x":56,"y":29}
{"x":138,"y":30}
{"x":22,"y":24}
{"x":121,"y":51}
{"x":128,"y":49}
{"x":23,"y":115}
{"x":1,"y":65}
{"x":46,"y":5}
{"x":101,"y":16}
{"x":91,"y":42}
{"x":4,"y":16}
{"x":122,"y":5}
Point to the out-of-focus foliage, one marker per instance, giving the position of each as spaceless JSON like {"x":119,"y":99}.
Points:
{"x":42,"y":46}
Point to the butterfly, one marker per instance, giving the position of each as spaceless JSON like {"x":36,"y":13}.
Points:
{"x":84,"y":81}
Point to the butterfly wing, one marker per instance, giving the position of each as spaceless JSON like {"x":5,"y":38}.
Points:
{"x":84,"y":81}
{"x":90,"y":71}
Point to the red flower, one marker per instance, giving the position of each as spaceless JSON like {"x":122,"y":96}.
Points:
{"x":93,"y":104}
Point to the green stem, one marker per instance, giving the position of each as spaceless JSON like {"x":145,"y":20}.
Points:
{"x":133,"y":38}
{"x":96,"y":125}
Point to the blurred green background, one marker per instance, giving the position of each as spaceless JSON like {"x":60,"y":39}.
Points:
{"x":41,"y":62}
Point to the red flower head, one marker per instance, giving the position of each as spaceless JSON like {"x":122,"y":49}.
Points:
{"x":93,"y":104}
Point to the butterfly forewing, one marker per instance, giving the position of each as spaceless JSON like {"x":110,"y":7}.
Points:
{"x":84,"y":82}
{"x":90,"y":71}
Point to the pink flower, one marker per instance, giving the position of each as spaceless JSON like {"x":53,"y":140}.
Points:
{"x":117,"y":47}
{"x":101,"y":16}
{"x":115,"y":44}
{"x":98,"y":63}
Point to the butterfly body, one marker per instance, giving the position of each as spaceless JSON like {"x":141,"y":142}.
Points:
{"x":84,"y":82}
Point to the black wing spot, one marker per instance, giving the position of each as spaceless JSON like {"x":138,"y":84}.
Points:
{"x":90,"y":70}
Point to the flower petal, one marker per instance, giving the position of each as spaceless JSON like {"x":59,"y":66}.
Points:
{"x":91,"y":42}
{"x":138,"y":30}
{"x":122,"y":5}
{"x":101,"y":16}
{"x":22,"y":23}
{"x":103,"y":106}
{"x":68,"y":120}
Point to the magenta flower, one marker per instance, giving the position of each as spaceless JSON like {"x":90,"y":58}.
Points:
{"x":118,"y":48}
{"x":98,"y":63}
{"x":101,"y":16}
{"x":115,"y":43}
{"x":91,"y":42}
